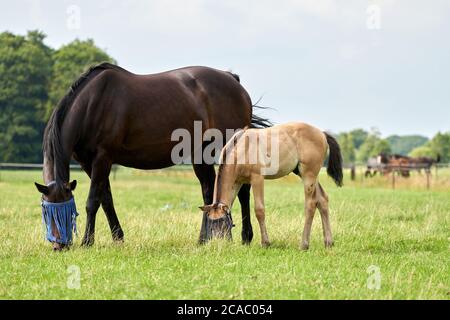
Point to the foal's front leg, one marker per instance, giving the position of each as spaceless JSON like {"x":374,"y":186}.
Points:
{"x":258,"y":194}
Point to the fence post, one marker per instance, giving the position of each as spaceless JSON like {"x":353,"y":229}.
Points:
{"x":393,"y":179}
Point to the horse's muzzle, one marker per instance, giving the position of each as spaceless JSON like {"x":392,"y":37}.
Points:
{"x":219,"y":228}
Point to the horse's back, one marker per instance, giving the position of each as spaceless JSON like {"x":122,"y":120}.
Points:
{"x":133,"y":116}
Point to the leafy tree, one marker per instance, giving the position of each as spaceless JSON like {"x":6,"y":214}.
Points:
{"x":405,"y":144}
{"x":422,"y":151}
{"x":25,"y":68}
{"x":439,"y":145}
{"x":69,"y":62}
{"x":348,"y":147}
{"x":34,"y":78}
{"x":372,"y":146}
{"x":381,"y":146}
{"x":359,"y":136}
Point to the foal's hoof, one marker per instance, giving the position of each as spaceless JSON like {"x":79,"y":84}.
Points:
{"x":329,"y":243}
{"x":265,"y":244}
{"x":304,"y":246}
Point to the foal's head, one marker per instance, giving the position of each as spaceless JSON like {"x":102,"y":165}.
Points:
{"x":219,"y":222}
{"x":60,"y":196}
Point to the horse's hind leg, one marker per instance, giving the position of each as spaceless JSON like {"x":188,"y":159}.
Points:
{"x":110,"y":212}
{"x":244,"y":199}
{"x":322,"y":205}
{"x":206,"y":175}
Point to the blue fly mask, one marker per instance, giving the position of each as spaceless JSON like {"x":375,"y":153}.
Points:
{"x":64,"y":215}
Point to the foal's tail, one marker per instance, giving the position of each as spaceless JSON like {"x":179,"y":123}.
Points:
{"x":334,"y":168}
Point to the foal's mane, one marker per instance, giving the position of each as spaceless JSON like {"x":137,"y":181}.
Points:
{"x":52,"y":145}
{"x":225,"y":151}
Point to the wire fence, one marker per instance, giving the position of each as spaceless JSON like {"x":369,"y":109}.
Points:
{"x":395,"y":172}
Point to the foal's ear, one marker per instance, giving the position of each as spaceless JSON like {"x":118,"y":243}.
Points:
{"x":206,"y":208}
{"x":224,"y":207}
{"x":42,"y":189}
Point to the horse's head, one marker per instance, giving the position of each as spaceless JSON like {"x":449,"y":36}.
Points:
{"x":54,"y":192}
{"x":58,"y":212}
{"x":219,"y":222}
{"x":382,"y":158}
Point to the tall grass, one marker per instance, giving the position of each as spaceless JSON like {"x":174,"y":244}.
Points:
{"x":403,"y":232}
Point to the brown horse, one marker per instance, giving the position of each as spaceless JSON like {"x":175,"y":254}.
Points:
{"x":112,"y":116}
{"x":249,"y":158}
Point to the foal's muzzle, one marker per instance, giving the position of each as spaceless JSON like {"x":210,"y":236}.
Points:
{"x":219,"y":228}
{"x":63,"y":216}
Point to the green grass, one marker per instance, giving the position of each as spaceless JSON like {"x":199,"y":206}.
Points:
{"x":405,"y":233}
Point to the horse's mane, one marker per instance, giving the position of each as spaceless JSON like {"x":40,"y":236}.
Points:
{"x":52,"y":145}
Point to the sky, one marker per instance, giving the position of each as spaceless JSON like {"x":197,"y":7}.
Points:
{"x":338,"y":65}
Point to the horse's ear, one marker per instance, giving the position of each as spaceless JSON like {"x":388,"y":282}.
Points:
{"x":205,"y":208}
{"x":73,"y":185}
{"x":42,"y":189}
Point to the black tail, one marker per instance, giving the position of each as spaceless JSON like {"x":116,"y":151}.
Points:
{"x":334,"y":169}
{"x":438,"y":158}
{"x":257,"y":121}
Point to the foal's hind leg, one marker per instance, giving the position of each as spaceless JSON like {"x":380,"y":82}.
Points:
{"x":310,"y":209}
{"x":322,"y":205}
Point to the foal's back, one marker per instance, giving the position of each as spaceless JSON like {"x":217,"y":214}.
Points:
{"x":287,"y":147}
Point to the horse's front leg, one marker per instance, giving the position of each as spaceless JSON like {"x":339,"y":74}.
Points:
{"x":99,"y":181}
{"x":258,"y":194}
{"x":206,"y":175}
{"x":108,"y":207}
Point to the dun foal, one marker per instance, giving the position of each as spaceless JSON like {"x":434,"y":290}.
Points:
{"x":253,"y":155}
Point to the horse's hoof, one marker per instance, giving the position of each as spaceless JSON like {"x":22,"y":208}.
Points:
{"x":304,"y":246}
{"x":247,"y":237}
{"x":87,"y":242}
{"x":118,"y":236}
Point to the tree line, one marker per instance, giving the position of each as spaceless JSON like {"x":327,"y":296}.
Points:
{"x":359,"y":145}
{"x":34,"y":77}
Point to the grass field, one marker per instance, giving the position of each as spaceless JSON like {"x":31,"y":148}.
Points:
{"x":404,"y":234}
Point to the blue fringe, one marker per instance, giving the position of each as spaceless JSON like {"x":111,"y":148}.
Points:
{"x":64,"y":214}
